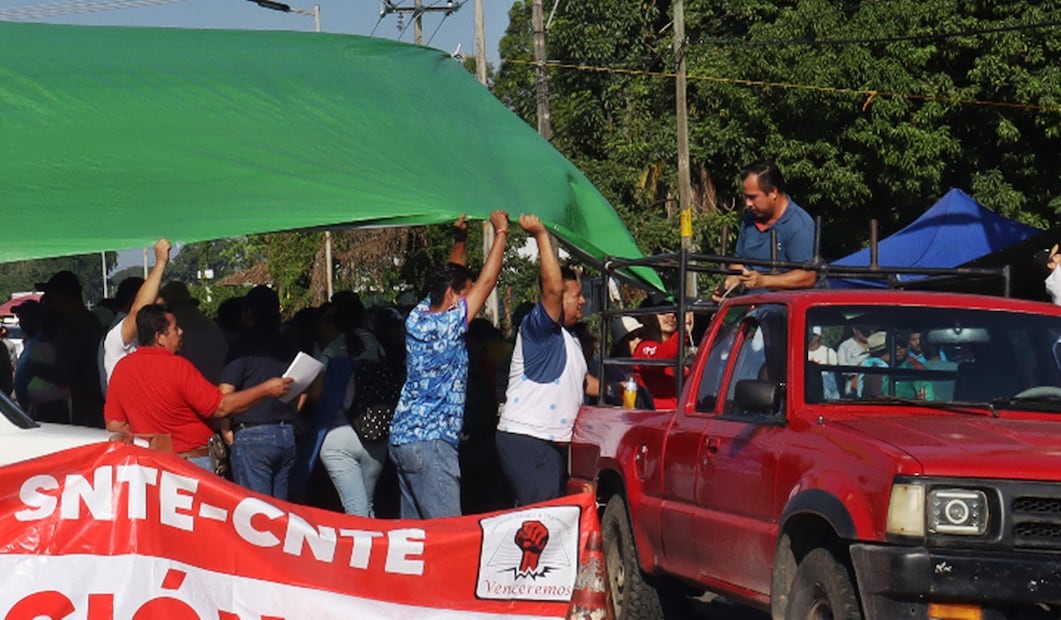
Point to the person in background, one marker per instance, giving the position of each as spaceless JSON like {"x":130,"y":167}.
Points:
{"x":482,"y":485}
{"x":1053,"y":280}
{"x":353,"y":463}
{"x":133,"y":293}
{"x":204,"y":344}
{"x":770,"y":208}
{"x":262,"y":439}
{"x":425,"y":432}
{"x":822,"y":355}
{"x":74,"y":334}
{"x":155,"y":391}
{"x":42,"y":400}
{"x":659,"y":340}
{"x":852,"y":352}
{"x":547,"y":381}
{"x":7,"y":369}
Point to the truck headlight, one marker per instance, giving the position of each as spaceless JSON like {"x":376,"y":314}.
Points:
{"x":906,"y":510}
{"x":917,"y":509}
{"x":957,"y":511}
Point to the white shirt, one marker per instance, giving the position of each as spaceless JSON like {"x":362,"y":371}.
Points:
{"x":1053,"y":285}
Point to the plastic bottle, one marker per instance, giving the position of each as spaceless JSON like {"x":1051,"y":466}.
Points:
{"x":629,"y":393}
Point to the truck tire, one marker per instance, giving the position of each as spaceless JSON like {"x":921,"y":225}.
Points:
{"x":632,"y":596}
{"x":822,"y":590}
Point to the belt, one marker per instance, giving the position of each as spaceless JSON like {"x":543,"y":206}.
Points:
{"x":194,"y":452}
{"x":243,"y":425}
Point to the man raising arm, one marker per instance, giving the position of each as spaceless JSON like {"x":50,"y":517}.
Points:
{"x":546,"y":382}
{"x":425,"y":431}
{"x":121,"y":339}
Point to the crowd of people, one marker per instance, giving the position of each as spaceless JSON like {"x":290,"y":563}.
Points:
{"x":215,"y":387}
{"x":418,"y":413}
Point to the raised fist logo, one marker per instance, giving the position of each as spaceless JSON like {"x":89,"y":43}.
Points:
{"x":531,"y":538}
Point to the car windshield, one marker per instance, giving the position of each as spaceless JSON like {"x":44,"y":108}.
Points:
{"x":943,"y":355}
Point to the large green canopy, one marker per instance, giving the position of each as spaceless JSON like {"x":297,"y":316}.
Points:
{"x":113,"y":137}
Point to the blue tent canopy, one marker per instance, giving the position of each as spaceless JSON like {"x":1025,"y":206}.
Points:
{"x":954,"y":231}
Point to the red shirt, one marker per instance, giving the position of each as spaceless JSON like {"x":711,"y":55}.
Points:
{"x":659,"y":380}
{"x":156,"y":391}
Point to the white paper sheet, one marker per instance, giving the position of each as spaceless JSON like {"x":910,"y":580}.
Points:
{"x":303,"y":369}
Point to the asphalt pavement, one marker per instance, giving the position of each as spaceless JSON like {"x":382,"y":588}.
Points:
{"x":710,"y":607}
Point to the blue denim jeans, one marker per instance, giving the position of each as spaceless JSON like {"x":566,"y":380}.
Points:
{"x":203,"y":461}
{"x":354,"y":467}
{"x":262,"y":457}
{"x":429,"y":477}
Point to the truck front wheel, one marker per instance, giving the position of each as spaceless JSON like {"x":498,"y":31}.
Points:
{"x":632,"y":596}
{"x":822,"y":590}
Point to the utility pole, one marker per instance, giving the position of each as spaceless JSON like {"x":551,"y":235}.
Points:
{"x":418,"y":16}
{"x":418,"y":9}
{"x":493,"y":313}
{"x":685,"y":190}
{"x":545,"y":124}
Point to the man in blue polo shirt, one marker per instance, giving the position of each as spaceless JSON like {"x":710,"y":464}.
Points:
{"x":769,"y":208}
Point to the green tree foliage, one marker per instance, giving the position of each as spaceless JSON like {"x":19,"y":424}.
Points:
{"x":221,"y":257}
{"x":293,"y":259}
{"x":22,"y":275}
{"x":870,"y":108}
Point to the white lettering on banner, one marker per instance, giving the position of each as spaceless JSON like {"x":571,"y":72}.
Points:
{"x":241,"y":520}
{"x":54,"y":605}
{"x":97,"y":496}
{"x":175,"y":493}
{"x":257,"y":522}
{"x":401,"y":545}
{"x":32,"y":494}
{"x":321,"y":541}
{"x":136,"y":479}
{"x":362,"y":546}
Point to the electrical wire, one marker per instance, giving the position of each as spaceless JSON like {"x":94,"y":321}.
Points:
{"x":972,"y":32}
{"x":56,"y":9}
{"x":868,"y":93}
{"x":456,"y":7}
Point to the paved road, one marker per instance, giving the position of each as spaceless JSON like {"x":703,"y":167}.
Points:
{"x":707,"y":607}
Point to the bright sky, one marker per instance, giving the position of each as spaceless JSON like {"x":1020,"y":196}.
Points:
{"x":336,"y":16}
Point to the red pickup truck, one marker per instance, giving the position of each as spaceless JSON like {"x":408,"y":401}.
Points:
{"x":913,"y":473}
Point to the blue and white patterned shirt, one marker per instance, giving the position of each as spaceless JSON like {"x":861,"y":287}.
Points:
{"x":432,"y":401}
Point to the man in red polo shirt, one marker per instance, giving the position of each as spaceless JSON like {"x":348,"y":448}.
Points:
{"x":153,"y":390}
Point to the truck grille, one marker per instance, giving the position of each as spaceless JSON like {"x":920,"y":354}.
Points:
{"x":1036,"y":522}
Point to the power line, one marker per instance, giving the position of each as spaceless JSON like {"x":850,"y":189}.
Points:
{"x":972,"y":32}
{"x":56,"y":9}
{"x":868,"y":93}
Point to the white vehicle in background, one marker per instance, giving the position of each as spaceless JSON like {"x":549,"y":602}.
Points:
{"x":21,"y":438}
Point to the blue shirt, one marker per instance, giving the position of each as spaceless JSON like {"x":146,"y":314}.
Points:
{"x":795,"y":237}
{"x":431,"y":406}
{"x":545,"y":380}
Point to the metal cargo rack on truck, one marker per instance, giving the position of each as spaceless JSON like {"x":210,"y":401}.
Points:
{"x":687,"y":263}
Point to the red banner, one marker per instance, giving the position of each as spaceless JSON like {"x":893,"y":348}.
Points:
{"x":116,"y":532}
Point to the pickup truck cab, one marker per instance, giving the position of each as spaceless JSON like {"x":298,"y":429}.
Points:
{"x":892,"y":483}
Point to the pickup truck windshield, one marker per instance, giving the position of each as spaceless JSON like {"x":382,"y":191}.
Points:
{"x":895,"y":354}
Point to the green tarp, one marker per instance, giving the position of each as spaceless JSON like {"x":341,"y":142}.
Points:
{"x":113,"y":137}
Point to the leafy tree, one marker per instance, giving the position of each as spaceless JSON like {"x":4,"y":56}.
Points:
{"x":792,"y":81}
{"x":22,"y":275}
